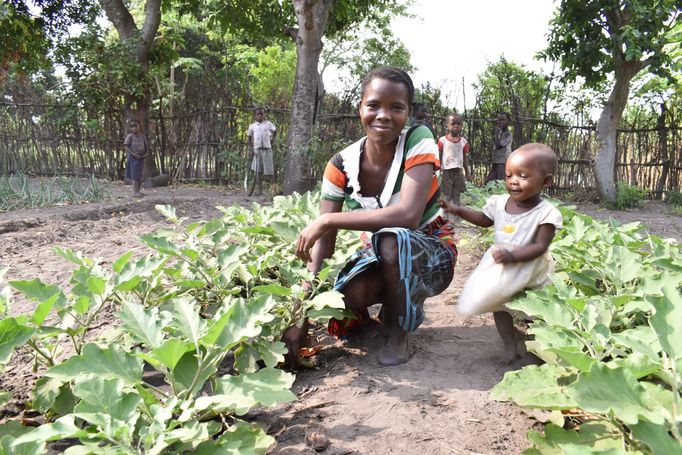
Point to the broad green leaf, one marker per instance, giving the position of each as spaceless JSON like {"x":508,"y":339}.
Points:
{"x":607,"y":390}
{"x":574,"y":357}
{"x":146,"y":326}
{"x":119,"y":263}
{"x":43,"y":309}
{"x":534,"y":387}
{"x":170,"y":352}
{"x":657,"y":438}
{"x":640,"y":339}
{"x":268,"y":387}
{"x":328,"y":299}
{"x":62,"y":428}
{"x":45,"y":393}
{"x":597,"y":436}
{"x":97,"y":285}
{"x":13,"y":428}
{"x":38,"y":291}
{"x":667,"y":320}
{"x":161,"y":244}
{"x":188,"y":376}
{"x":12,"y":334}
{"x":556,"y":314}
{"x":105,"y":396}
{"x":246,"y":359}
{"x":274,"y":289}
{"x":272,"y":353}
{"x":109,"y":362}
{"x":241,"y":439}
{"x":240,"y":321}
{"x":187,"y":320}
{"x":167,"y":211}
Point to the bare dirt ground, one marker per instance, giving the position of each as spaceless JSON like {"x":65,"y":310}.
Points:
{"x":436,"y":403}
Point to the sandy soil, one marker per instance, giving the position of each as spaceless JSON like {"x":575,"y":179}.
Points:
{"x":437,"y":403}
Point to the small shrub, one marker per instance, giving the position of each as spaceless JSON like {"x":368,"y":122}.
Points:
{"x":674,"y":199}
{"x":628,"y":196}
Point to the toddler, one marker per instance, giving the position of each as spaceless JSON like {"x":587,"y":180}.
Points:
{"x":524,"y":226}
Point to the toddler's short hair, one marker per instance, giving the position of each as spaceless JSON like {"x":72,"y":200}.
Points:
{"x":546,"y":157}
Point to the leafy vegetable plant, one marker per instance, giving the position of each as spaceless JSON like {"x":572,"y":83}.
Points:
{"x":197,"y":343}
{"x":609,"y":330}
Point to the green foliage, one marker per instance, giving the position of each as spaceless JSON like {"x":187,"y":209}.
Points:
{"x":628,"y":196}
{"x":507,"y":86}
{"x":273,"y":76}
{"x":210,"y":291}
{"x":674,"y":198}
{"x":588,"y":38}
{"x":609,"y":330}
{"x":18,"y":192}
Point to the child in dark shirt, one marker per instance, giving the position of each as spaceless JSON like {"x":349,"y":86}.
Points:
{"x":136,"y":148}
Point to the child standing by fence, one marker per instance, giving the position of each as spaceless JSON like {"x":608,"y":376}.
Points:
{"x":502,"y":147}
{"x":524,"y":226}
{"x":261,"y":136}
{"x":136,"y":149}
{"x":453,"y":150}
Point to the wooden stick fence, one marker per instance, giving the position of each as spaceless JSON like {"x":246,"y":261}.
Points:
{"x":210,"y":145}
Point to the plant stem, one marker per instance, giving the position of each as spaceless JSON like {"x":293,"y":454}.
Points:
{"x":50,"y":360}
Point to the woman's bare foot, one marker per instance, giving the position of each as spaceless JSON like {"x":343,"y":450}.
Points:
{"x":396,"y":350}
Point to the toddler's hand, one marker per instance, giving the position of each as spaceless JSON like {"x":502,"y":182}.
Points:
{"x":446,"y":206}
{"x":503,"y":256}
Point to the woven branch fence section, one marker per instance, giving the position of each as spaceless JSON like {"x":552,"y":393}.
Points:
{"x":210,"y":146}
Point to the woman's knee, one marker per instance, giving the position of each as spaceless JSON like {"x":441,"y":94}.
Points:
{"x":387,"y":249}
{"x":362,"y":291}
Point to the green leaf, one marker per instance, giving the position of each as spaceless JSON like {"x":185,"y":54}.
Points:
{"x":594,"y":436}
{"x":62,"y":428}
{"x":241,"y":439}
{"x":627,"y":265}
{"x":534,"y":387}
{"x":146,"y":326}
{"x":45,"y":393}
{"x":274,"y":289}
{"x":656,"y":437}
{"x":574,"y":357}
{"x":170,"y":352}
{"x":105,"y":396}
{"x":640,"y":339}
{"x":273,"y":353}
{"x":667,"y":320}
{"x":187,"y":375}
{"x":12,"y":334}
{"x":38,"y":291}
{"x":607,"y":390}
{"x":118,"y":265}
{"x":97,"y":285}
{"x":240,"y":321}
{"x":109,"y":362}
{"x":268,"y":387}
{"x":43,"y":309}
{"x":187,"y":320}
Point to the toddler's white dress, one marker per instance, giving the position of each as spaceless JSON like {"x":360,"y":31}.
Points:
{"x":492,"y":285}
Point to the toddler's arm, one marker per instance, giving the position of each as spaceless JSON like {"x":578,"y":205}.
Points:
{"x":470,"y":215}
{"x":538,"y":247}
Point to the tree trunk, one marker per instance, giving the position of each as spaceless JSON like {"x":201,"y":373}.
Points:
{"x":311,"y":16}
{"x":604,"y":164}
{"x":137,"y":107}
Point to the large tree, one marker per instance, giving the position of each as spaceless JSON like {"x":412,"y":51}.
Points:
{"x":306,"y":22}
{"x":598,"y":39}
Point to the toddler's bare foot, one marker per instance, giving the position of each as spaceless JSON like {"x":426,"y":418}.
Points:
{"x":396,"y":350}
{"x":510,"y":354}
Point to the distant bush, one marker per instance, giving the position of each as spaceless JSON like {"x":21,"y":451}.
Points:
{"x":628,"y":196}
{"x":674,"y":199}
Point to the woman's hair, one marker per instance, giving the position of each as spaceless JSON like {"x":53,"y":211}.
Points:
{"x":389,"y":73}
{"x":506,"y":114}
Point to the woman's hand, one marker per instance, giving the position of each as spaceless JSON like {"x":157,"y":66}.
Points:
{"x":307,"y":238}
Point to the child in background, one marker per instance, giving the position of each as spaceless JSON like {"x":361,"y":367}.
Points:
{"x":136,"y":148}
{"x":502,"y":150}
{"x":453,"y":149}
{"x":261,"y":137}
{"x":524,"y":225}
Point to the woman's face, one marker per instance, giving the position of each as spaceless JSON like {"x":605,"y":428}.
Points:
{"x":384,"y":110}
